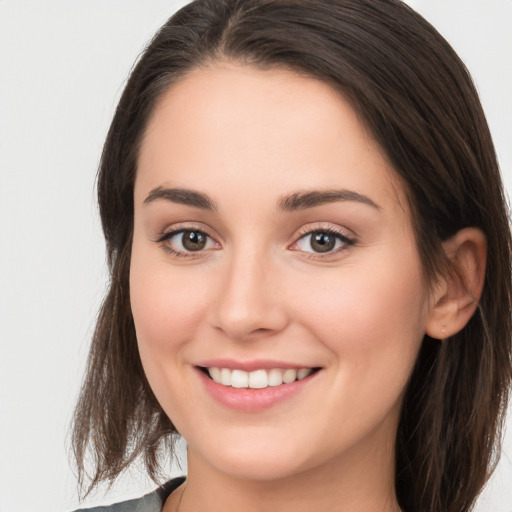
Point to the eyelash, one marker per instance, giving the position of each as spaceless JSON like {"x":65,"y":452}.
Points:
{"x":340,"y":236}
{"x":164,"y":238}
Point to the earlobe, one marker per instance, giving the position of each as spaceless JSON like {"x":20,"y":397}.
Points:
{"x":457,"y":293}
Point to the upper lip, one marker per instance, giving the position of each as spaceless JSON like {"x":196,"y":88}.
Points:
{"x":250,"y":366}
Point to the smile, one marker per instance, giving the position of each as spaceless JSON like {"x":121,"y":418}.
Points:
{"x":258,"y":379}
{"x":260,"y":385}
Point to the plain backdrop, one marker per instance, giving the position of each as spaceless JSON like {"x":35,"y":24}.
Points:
{"x":63,"y":64}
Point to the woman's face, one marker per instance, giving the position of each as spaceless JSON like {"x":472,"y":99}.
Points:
{"x":273,"y":242}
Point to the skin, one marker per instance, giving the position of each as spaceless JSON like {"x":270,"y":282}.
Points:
{"x":246,"y":138}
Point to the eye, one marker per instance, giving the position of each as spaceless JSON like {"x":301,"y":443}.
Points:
{"x":322,"y":241}
{"x":186,"y":241}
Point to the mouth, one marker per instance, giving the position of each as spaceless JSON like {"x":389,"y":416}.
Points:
{"x":257,"y":379}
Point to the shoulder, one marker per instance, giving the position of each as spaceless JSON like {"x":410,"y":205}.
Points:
{"x":151,"y":502}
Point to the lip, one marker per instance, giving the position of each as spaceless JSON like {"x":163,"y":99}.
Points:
{"x":251,"y":366}
{"x":253,"y":400}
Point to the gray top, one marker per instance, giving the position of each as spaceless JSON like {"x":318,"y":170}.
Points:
{"x":152,"y":502}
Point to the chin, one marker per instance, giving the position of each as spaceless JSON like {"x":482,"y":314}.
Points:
{"x":257,"y":457}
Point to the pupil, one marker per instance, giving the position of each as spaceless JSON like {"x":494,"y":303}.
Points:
{"x":193,"y":240}
{"x":323,"y":242}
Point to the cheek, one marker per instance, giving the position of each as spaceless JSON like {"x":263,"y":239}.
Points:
{"x":167,"y":306}
{"x":163,"y":303}
{"x":373,"y":318}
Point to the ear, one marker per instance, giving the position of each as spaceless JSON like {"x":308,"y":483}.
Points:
{"x":456,"y":294}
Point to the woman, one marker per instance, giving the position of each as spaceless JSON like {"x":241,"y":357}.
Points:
{"x":310,"y":261}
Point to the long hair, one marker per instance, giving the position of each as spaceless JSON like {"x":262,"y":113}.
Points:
{"x":418,"y":101}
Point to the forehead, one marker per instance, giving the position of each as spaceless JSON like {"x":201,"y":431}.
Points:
{"x":232,"y":127}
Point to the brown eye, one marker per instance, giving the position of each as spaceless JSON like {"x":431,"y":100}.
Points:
{"x":183,"y":242}
{"x":193,"y":240}
{"x":322,"y":242}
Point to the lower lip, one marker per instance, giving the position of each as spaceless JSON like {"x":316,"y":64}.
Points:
{"x":254,"y":400}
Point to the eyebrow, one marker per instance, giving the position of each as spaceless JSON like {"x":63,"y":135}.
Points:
{"x":182,"y":196}
{"x":290,"y":203}
{"x":310,"y":199}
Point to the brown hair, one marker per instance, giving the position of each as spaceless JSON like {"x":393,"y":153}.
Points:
{"x":417,"y":99}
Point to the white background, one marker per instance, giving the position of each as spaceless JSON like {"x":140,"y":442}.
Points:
{"x":63,"y":64}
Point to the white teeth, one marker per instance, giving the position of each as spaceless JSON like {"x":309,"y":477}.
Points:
{"x":225,"y":376}
{"x":303,"y":373}
{"x":239,"y":379}
{"x":289,"y":376}
{"x":258,"y":379}
{"x":275,"y":377}
{"x":215,"y":374}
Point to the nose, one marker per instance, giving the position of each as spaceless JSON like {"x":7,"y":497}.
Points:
{"x":249,"y":303}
